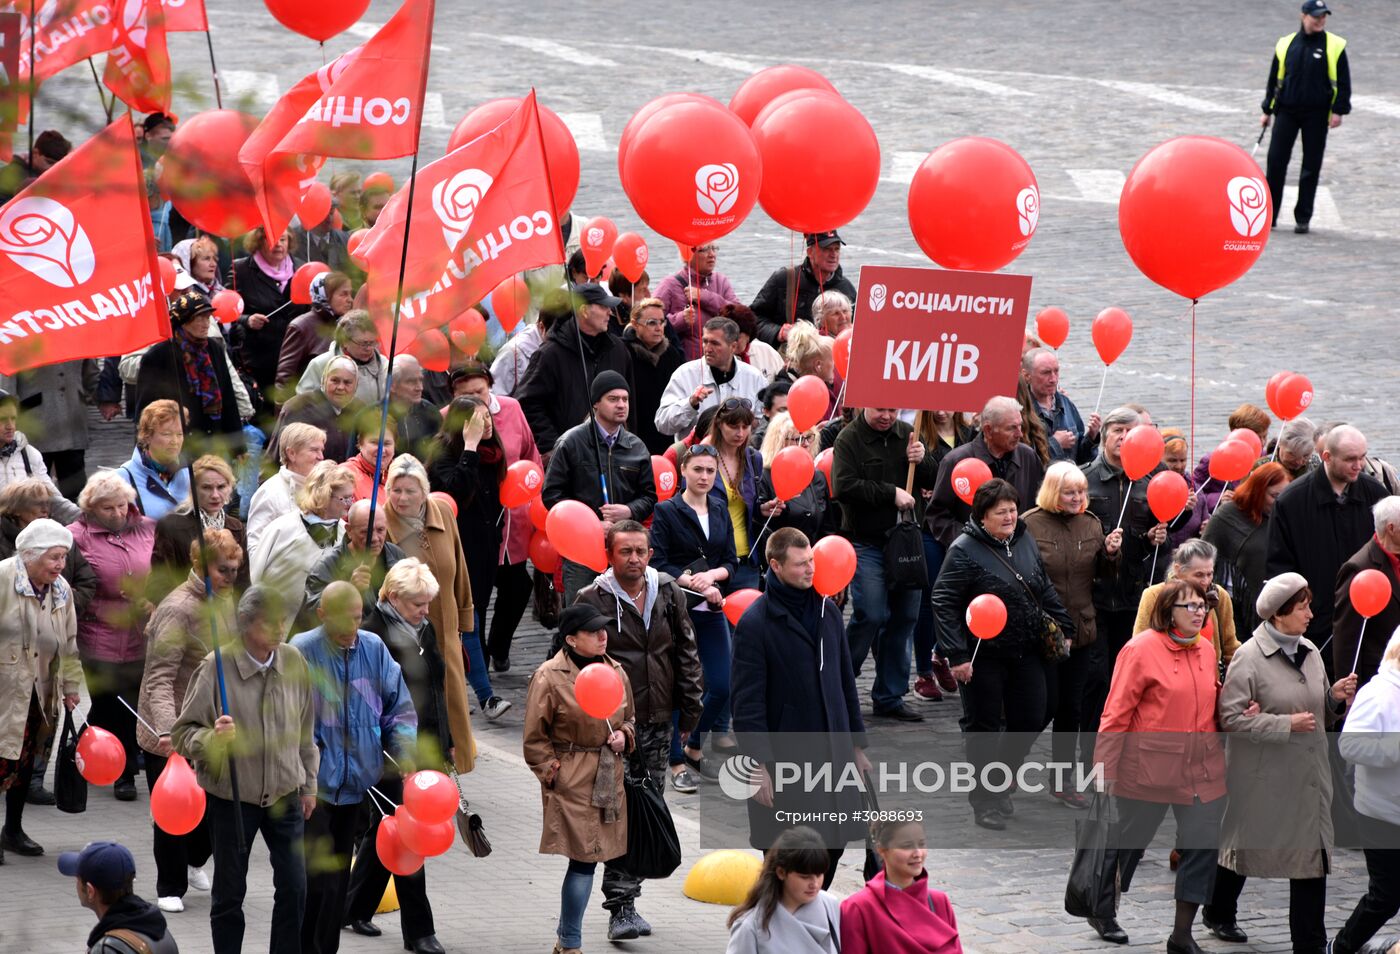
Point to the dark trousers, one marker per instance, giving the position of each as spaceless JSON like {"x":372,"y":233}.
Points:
{"x":1312,"y":123}
{"x":175,"y":854}
{"x":926,"y":629}
{"x":16,"y":795}
{"x":1382,"y":899}
{"x":649,"y":758}
{"x":1114,"y":628}
{"x":369,"y":879}
{"x":68,"y":468}
{"x":106,"y":681}
{"x":1073,"y":678}
{"x":1197,"y":837}
{"x":1307,"y":904}
{"x":330,"y":843}
{"x":281,"y":826}
{"x":1010,"y":683}
{"x":513,"y":592}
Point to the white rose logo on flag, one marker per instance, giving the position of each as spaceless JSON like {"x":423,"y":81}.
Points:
{"x":716,"y":187}
{"x":1028,"y":210}
{"x":134,"y":22}
{"x":42,"y":236}
{"x":328,"y":74}
{"x":1249,"y":200}
{"x":455,"y":201}
{"x":595,"y":238}
{"x":877,"y":297}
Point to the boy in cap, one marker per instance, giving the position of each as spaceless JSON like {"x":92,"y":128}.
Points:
{"x":126,"y":924}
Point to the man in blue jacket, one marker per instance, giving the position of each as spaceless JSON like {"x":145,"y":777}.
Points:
{"x":363,"y":707}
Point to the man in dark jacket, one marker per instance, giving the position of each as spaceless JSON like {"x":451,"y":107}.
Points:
{"x":870,"y":469}
{"x":1382,"y":554}
{"x":555,"y":392}
{"x":650,"y":635}
{"x":654,"y":359}
{"x":794,"y":698}
{"x":105,"y":872}
{"x":351,"y":560}
{"x":788,"y":294}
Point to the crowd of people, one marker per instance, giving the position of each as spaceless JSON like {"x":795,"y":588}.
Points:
{"x":332,"y":516}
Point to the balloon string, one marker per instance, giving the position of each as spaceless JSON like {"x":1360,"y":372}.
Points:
{"x":1126,"y":497}
{"x":392,"y":804}
{"x":1360,"y":638}
{"x":1153,"y":572}
{"x":766,"y":523}
{"x":976,"y":647}
{"x":1104,"y":381}
{"x":1191,"y":450}
{"x":391,"y":759}
{"x":148,"y":726}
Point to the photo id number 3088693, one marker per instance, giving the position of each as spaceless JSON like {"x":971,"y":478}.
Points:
{"x":870,"y":815}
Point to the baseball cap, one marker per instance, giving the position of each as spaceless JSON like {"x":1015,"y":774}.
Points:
{"x":824,"y":239}
{"x":103,"y":864}
{"x":594,"y":294}
{"x":580,"y":616}
{"x":1316,"y":8}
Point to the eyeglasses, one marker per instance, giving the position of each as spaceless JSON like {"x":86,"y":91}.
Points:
{"x":705,"y":249}
{"x":345,"y":499}
{"x":650,"y":323}
{"x":1192,"y":608}
{"x":798,"y":439}
{"x":372,"y":342}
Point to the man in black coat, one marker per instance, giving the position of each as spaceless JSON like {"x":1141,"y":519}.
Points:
{"x":1382,"y":554}
{"x":794,"y":698}
{"x":788,"y":293}
{"x":363,"y":564}
{"x":654,"y":359}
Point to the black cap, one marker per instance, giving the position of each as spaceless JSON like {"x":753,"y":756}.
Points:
{"x":581,"y":616}
{"x":605,"y":381}
{"x":824,"y":239}
{"x":1316,"y":8}
{"x":472,"y":369}
{"x":102,"y":864}
{"x":188,"y":305}
{"x":594,"y":294}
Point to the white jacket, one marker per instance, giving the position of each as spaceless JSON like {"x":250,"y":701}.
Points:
{"x":25,"y":462}
{"x":814,"y":928}
{"x":675,"y":416}
{"x":283,"y":559}
{"x":513,"y":360}
{"x":1370,"y":740}
{"x":275,"y":497}
{"x":765,"y":359}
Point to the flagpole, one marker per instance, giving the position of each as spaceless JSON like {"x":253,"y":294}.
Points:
{"x":100,"y":94}
{"x":213,"y":66}
{"x":32,"y":85}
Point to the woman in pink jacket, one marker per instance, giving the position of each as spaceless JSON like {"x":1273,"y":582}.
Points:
{"x":694,"y":295}
{"x":1159,"y":749}
{"x":897,"y":912}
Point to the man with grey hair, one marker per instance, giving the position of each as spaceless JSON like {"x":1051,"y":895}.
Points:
{"x":1000,"y":447}
{"x":334,"y":409}
{"x":418,"y":421}
{"x":1069,"y":437}
{"x":1382,"y":554}
{"x":1295,"y":447}
{"x":1320,"y":520}
{"x":356,"y":338}
{"x":710,"y":380}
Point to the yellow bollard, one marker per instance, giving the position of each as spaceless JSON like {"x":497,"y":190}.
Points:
{"x":390,"y":901}
{"x":723,"y":877}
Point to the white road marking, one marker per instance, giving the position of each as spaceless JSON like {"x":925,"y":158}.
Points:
{"x":365,"y":30}
{"x":587,"y":129}
{"x":433,"y":115}
{"x":1170,"y":97}
{"x":903,"y":165}
{"x":1325,"y":213}
{"x":947,"y":78}
{"x":708,"y":57}
{"x":545,"y":47}
{"x":1374,"y":104}
{"x":1098,"y":185}
{"x":261,"y":87}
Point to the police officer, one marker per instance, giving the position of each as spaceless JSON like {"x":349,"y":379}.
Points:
{"x":1309,"y":89}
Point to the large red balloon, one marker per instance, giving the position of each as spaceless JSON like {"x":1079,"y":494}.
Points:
{"x":523,"y":483}
{"x":228,"y":305}
{"x":428,"y":839}
{"x":1167,"y":493}
{"x":467,"y":332}
{"x":973,"y":204}
{"x":663,"y":477}
{"x":692,"y":172}
{"x":510,"y":300}
{"x":1112,"y":330}
{"x":821,"y":160}
{"x":969,"y":474}
{"x":100,"y":757}
{"x":1052,"y":326}
{"x":808,"y":400}
{"x":315,"y":206}
{"x":1141,"y":451}
{"x":1369,"y":591}
{"x":1195,"y":214}
{"x":391,"y":850}
{"x":1294,"y":396}
{"x":599,"y":690}
{"x":766,"y":85}
{"x":542,"y":552}
{"x":792,"y":472}
{"x":202,"y":177}
{"x":986,"y":616}
{"x":577,"y":534}
{"x":431,"y":348}
{"x":648,"y":110}
{"x":630,"y":254}
{"x":841,"y":351}
{"x":560,"y":150}
{"x":737,"y":602}
{"x":597,"y":239}
{"x":1231,"y":461}
{"x":835,"y":565}
{"x":301,"y":281}
{"x":318,"y":19}
{"x":431,"y":796}
{"x":177,"y":801}
{"x":168,"y":274}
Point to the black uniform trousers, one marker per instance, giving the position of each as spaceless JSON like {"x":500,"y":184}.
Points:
{"x":1288,"y":122}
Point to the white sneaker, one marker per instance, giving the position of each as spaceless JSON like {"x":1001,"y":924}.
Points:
{"x":170,"y":905}
{"x":495,"y":708}
{"x":197,"y":878}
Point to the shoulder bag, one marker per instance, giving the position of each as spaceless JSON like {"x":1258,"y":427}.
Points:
{"x":905,"y":568}
{"x":1054,"y":645}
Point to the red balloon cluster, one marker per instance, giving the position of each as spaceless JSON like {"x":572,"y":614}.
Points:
{"x":969,"y":474}
{"x":835,"y":560}
{"x":1288,"y":394}
{"x":766,"y":85}
{"x":1141,"y":451}
{"x":824,"y":460}
{"x":973,"y":204}
{"x":430,"y":347}
{"x":100,"y":757}
{"x":393,"y":854}
{"x":599,"y":690}
{"x":523,"y":483}
{"x":542,"y":553}
{"x":168,"y":274}
{"x":737,"y":602}
{"x":560,"y":150}
{"x":1167,"y":494}
{"x":1246,"y":436}
{"x":1112,"y":330}
{"x":177,"y":801}
{"x":1052,"y":326}
{"x":510,"y":300}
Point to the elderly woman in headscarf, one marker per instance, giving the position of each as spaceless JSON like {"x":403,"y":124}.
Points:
{"x":264,"y":278}
{"x":311,"y":333}
{"x":38,"y":624}
{"x":200,"y":256}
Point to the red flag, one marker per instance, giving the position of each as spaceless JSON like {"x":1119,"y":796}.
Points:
{"x":185,"y":16}
{"x":78,"y":273}
{"x":65,"y":32}
{"x":365,"y":104}
{"x":481,"y":213}
{"x":138,"y":68}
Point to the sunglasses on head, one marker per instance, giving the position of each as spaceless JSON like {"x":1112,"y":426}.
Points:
{"x":735,"y":403}
{"x":700,"y":450}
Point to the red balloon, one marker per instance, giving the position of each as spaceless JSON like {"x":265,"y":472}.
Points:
{"x":228,"y":305}
{"x":378,"y":182}
{"x":1295,"y":395}
{"x":177,"y":801}
{"x":352,"y":243}
{"x":510,"y":300}
{"x":1245,"y":436}
{"x":1052,"y":326}
{"x":390,"y":848}
{"x":447,"y":500}
{"x":432,"y":349}
{"x":986,"y":616}
{"x":1167,"y":493}
{"x":663,"y":477}
{"x":821,"y":160}
{"x":428,"y":839}
{"x":808,"y":400}
{"x":301,"y":281}
{"x":336,"y":221}
{"x":630,"y":252}
{"x":523,"y":483}
{"x":766,"y":85}
{"x":315,"y":206}
{"x":1271,"y":391}
{"x":542,"y":553}
{"x":538,"y":514}
{"x":1141,"y":451}
{"x":969,"y":474}
{"x":431,"y":796}
{"x":599,"y":690}
{"x":835,"y":565}
{"x":824,"y":465}
{"x":168,"y":274}
{"x":1232,"y":461}
{"x":692,"y":172}
{"x":650,"y":109}
{"x":1195,"y":214}
{"x":201,"y":175}
{"x":597,"y":239}
{"x":100,"y":757}
{"x":973,"y":204}
{"x":468,"y":332}
{"x":1369,"y":592}
{"x":685,"y":252}
{"x":318,"y":19}
{"x":560,"y":150}
{"x":841,"y":351}
{"x":1112,"y":330}
{"x":792,"y":472}
{"x":577,"y":534}
{"x":736,"y":603}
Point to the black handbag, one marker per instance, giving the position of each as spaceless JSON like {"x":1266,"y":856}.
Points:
{"x":547,"y":603}
{"x":1092,"y":891}
{"x":1054,"y":644}
{"x":905,"y":568}
{"x":653,"y":847}
{"x":69,"y":787}
{"x":469,"y":823}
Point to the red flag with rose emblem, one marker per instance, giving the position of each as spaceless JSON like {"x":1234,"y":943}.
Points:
{"x":185,"y":16}
{"x":78,"y":272}
{"x":365,"y":104}
{"x":65,"y":32}
{"x":481,"y":213}
{"x":138,"y":66}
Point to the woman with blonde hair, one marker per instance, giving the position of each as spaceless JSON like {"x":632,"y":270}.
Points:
{"x":292,"y":543}
{"x":177,"y":530}
{"x":154,"y":470}
{"x":263,"y":276}
{"x":301,"y":447}
{"x":808,"y":510}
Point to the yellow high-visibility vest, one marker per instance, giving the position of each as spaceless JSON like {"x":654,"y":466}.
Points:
{"x":1335,"y":45}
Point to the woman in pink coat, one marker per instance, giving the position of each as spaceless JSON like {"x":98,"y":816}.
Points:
{"x":694,"y":295}
{"x":897,"y":912}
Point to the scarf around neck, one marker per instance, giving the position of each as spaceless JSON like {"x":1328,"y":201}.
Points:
{"x":198,"y":361}
{"x":280,"y":274}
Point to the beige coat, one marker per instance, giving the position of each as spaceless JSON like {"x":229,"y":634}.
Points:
{"x":554,"y":722}
{"x":1278,"y":822}
{"x":451,"y":613}
{"x":31,"y":636}
{"x":177,"y":640}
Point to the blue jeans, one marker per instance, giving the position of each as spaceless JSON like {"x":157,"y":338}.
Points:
{"x":573,"y":899}
{"x":883,"y":620}
{"x":926,"y":630}
{"x":478,"y":676}
{"x":712,"y":643}
{"x":248,"y":471}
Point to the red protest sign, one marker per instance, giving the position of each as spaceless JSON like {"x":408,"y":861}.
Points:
{"x":936,"y":340}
